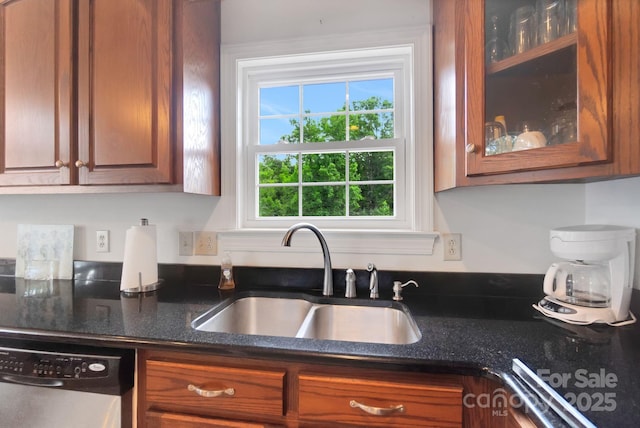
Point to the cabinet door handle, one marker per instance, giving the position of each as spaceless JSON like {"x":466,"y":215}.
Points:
{"x":378,"y":411}
{"x":208,"y":394}
{"x":59,"y":164}
{"x":470,"y":148}
{"x":80,"y":164}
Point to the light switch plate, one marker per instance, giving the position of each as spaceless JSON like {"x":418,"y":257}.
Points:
{"x":206,"y":243}
{"x":186,"y":243}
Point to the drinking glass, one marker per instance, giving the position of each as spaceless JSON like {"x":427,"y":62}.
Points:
{"x":549,"y":17}
{"x":570,"y":16}
{"x":496,"y":48}
{"x":522,"y":29}
{"x":494,"y":138}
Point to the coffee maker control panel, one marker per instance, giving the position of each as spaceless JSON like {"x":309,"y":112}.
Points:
{"x":554,"y":307}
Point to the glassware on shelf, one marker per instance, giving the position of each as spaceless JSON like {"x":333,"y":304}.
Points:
{"x":496,"y":48}
{"x":549,"y":17}
{"x":522,"y":30}
{"x":496,"y":139}
{"x":570,"y":16}
{"x":564,"y":126}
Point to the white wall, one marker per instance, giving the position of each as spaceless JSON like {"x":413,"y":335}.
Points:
{"x":504,"y":228}
{"x":616,"y":202}
{"x":259,"y":20}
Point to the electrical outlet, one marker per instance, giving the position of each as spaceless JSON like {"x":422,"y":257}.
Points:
{"x":206,"y":243}
{"x":452,"y":246}
{"x":102,"y":241}
{"x":185,"y":243}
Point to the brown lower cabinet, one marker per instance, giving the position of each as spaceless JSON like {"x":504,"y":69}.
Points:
{"x":187,"y":390}
{"x":172,"y":420}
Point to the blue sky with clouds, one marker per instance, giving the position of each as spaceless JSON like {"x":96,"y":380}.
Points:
{"x":318,"y":98}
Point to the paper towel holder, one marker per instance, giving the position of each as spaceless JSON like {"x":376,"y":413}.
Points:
{"x":141,"y":288}
{"x":148,"y":288}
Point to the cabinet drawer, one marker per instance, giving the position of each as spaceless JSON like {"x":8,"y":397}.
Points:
{"x":205,"y":390}
{"x":344,"y":400}
{"x":171,"y":420}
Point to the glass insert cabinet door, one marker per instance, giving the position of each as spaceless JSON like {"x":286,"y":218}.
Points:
{"x":538,"y":97}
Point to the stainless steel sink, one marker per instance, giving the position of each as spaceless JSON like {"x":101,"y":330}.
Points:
{"x":371,"y":324}
{"x":256,"y":315}
{"x":312,"y":318}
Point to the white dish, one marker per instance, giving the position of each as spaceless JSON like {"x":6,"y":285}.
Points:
{"x":529,"y":140}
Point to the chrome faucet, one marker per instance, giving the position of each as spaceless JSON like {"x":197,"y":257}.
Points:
{"x":327,"y":283}
{"x":373,"y":281}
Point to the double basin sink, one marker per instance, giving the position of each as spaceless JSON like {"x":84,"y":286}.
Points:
{"x":309,"y":317}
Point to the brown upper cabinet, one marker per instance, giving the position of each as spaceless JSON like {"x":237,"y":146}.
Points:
{"x":110,"y":92}
{"x":535,"y":91}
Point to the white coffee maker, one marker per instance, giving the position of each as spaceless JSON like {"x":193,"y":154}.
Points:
{"x":594,"y":283}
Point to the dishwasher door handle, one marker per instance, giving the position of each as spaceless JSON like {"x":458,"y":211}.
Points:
{"x":52,"y":383}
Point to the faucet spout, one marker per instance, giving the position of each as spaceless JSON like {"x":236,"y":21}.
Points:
{"x":327,"y":283}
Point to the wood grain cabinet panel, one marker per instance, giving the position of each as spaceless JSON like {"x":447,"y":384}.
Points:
{"x":172,"y":420}
{"x":378,"y":403}
{"x":125,"y":91}
{"x":110,"y":92}
{"x":590,"y":71}
{"x":207,"y":390}
{"x":36,"y":93}
{"x":276,"y":392}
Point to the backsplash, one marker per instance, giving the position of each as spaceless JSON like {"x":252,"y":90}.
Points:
{"x":434,"y":283}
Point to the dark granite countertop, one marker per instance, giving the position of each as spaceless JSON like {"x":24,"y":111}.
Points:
{"x":462,"y":332}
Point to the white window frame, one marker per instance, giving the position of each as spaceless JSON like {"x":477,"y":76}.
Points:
{"x":385,"y":62}
{"x":415,"y":235}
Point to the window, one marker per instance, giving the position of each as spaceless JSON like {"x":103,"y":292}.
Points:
{"x":327,"y":138}
{"x":335,"y":131}
{"x":301,"y":175}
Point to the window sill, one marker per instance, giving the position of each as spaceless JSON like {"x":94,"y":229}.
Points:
{"x":339,"y":241}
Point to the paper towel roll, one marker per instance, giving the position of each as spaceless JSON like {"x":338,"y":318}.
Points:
{"x":140,"y":265}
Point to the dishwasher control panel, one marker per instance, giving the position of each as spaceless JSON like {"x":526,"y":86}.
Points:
{"x":52,"y":365}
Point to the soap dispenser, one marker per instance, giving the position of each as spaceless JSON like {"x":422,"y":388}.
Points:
{"x":226,"y":273}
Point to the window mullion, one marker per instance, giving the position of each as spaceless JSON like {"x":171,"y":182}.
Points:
{"x":347,"y":177}
{"x":300,"y":213}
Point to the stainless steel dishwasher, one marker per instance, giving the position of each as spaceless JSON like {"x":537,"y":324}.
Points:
{"x":64,"y":386}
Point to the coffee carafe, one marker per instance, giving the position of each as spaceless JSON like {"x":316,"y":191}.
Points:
{"x":579,"y":283}
{"x":593,"y":283}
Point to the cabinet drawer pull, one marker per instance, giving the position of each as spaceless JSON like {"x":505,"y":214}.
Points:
{"x":206,"y":393}
{"x":80,"y":164}
{"x":379,"y":411}
{"x":60,"y":164}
